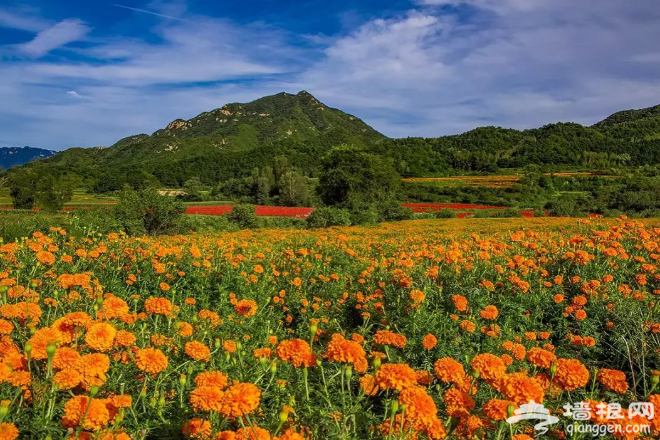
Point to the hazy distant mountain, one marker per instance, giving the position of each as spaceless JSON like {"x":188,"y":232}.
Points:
{"x":13,"y":156}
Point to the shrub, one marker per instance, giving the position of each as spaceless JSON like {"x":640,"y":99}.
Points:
{"x":94,"y":221}
{"x":326,"y":216}
{"x":244,"y":217}
{"x":204,"y":223}
{"x":445,"y":213}
{"x":147,"y":212}
{"x":392,"y":210}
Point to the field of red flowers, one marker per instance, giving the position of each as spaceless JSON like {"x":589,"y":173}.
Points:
{"x":410,"y":330}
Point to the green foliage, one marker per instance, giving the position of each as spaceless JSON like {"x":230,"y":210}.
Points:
{"x":147,"y":212}
{"x":445,"y":213}
{"x":244,"y":217}
{"x":53,"y":193}
{"x":351,"y":177}
{"x":22,"y":189}
{"x":391,"y":210}
{"x":327,"y":216}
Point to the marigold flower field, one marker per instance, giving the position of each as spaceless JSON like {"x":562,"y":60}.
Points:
{"x":413,"y":330}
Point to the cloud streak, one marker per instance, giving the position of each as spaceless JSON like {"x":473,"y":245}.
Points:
{"x":54,"y":37}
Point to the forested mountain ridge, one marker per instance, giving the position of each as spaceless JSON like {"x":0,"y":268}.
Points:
{"x":233,"y":140}
{"x":628,"y":138}
{"x":226,"y":142}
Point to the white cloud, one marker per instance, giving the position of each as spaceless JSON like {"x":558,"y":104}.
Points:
{"x":429,"y":72}
{"x":59,"y":35}
{"x":23,"y":20}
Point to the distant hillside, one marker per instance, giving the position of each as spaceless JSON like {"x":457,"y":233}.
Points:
{"x":13,"y":156}
{"x":233,"y":140}
{"x":226,"y":142}
{"x":628,"y":138}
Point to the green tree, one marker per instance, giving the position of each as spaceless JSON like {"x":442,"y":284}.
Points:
{"x":53,"y":192}
{"x":23,"y":188}
{"x":147,"y":212}
{"x":293,"y":189}
{"x":351,"y":177}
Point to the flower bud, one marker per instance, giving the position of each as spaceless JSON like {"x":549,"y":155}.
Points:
{"x":94,"y":391}
{"x":349,"y":372}
{"x":654,"y":380}
{"x":553,"y":369}
{"x":313,"y":329}
{"x":273,"y":367}
{"x":50,"y":350}
{"x":284,"y":416}
{"x":377,"y":363}
{"x":509,"y":410}
{"x":183,"y":379}
{"x":4,"y":410}
{"x":394,"y":406}
{"x":216,"y":343}
{"x":190,"y":370}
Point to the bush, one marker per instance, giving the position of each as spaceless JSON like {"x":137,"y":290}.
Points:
{"x":94,"y":221}
{"x":326,"y":217}
{"x":204,"y":223}
{"x":147,"y":212}
{"x":244,"y":217}
{"x":392,"y":210}
{"x":364,"y":215}
{"x":445,"y":213}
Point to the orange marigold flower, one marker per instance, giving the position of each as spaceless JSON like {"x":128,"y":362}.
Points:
{"x":490,"y":312}
{"x":8,"y":431}
{"x":421,"y":409}
{"x":521,"y":389}
{"x":460,"y":302}
{"x":45,"y":257}
{"x":448,"y":370}
{"x":429,"y":342}
{"x":342,"y":350}
{"x":151,"y":360}
{"x":92,"y":415}
{"x":216,"y":379}
{"x":395,"y":376}
{"x":297,"y":352}
{"x":613,"y":380}
{"x":65,"y":357}
{"x":158,"y":306}
{"x":496,"y":409}
{"x":386,"y":337}
{"x":262,"y":352}
{"x":459,"y":404}
{"x":197,"y":429}
{"x":114,"y":307}
{"x":246,"y":308}
{"x":571,"y":374}
{"x":540,"y":357}
{"x":468,"y":326}
{"x":184,"y":329}
{"x":41,"y":339}
{"x":229,"y":346}
{"x":124,"y":338}
{"x":368,"y":384}
{"x":489,"y":366}
{"x":252,"y":433}
{"x":101,"y":336}
{"x":239,"y":400}
{"x":198,"y":351}
{"x":67,"y":379}
{"x":206,"y":398}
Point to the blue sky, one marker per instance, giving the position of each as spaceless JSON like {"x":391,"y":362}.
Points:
{"x":87,"y":73}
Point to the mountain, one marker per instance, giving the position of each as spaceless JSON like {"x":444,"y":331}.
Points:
{"x":13,"y":156}
{"x":226,"y":142}
{"x":627,"y":138}
{"x":233,"y":140}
